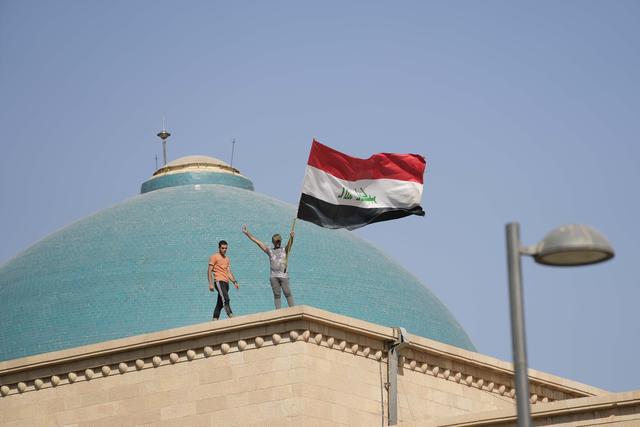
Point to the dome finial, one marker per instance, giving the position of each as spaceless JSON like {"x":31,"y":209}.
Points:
{"x":164,"y":135}
{"x":233,"y":147}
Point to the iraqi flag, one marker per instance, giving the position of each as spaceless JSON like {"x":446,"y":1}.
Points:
{"x":341,"y":191}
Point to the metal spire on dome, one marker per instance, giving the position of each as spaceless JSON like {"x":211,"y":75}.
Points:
{"x":164,"y":135}
{"x":233,"y":146}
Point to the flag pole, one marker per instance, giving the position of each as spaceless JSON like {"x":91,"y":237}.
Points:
{"x":286,"y":258}
{"x":293,"y":224}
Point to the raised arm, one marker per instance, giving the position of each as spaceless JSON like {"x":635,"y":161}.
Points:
{"x":254,"y":240}
{"x":287,"y":248}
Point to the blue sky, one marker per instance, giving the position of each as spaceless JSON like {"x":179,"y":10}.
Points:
{"x":525,"y":111}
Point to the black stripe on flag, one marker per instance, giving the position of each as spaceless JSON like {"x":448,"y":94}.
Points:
{"x":329,"y":215}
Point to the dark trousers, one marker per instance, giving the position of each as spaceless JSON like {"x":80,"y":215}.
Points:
{"x":223,"y":299}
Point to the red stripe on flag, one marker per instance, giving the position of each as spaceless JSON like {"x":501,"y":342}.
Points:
{"x":405,"y":167}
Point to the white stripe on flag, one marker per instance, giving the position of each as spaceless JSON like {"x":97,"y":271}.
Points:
{"x":388,"y":193}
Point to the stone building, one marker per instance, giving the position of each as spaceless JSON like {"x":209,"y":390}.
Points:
{"x":117,"y":330}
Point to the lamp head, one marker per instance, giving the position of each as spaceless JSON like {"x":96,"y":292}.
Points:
{"x":572,"y":245}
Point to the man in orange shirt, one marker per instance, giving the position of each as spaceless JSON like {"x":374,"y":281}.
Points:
{"x":219,"y":275}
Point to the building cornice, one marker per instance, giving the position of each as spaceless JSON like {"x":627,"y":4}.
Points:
{"x":252,"y":332}
{"x":589,"y":409}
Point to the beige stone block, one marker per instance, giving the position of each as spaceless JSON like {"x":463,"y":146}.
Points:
{"x":270,"y":394}
{"x":39,"y":421}
{"x":313,"y":392}
{"x":295,"y":348}
{"x":64,"y":418}
{"x":176,"y":382}
{"x":178,"y":411}
{"x":206,"y":391}
{"x":212,"y":362}
{"x":212,"y":404}
{"x":318,"y":365}
{"x":259,"y":367}
{"x":281,"y":363}
{"x":363,"y":419}
{"x":260,"y":413}
{"x":440,"y":397}
{"x":136,"y":377}
{"x":327,"y":411}
{"x":54,"y":405}
{"x":446,"y":386}
{"x":346,"y":358}
{"x":173,"y":370}
{"x":256,"y":368}
{"x":21,"y":412}
{"x":371,"y":392}
{"x":87,"y":413}
{"x":245,"y":370}
{"x":94,"y":398}
{"x":237,"y":358}
{"x":340,"y":413}
{"x":9,"y":402}
{"x":97,"y":411}
{"x":267,"y":352}
{"x":229,"y":417}
{"x":103,"y":422}
{"x":351,"y":383}
{"x":124,"y":391}
{"x":148,"y":387}
{"x":203,"y":420}
{"x":82,"y":387}
{"x":132,"y":405}
{"x":326,"y":381}
{"x":299,"y":421}
{"x":467,"y":405}
{"x":138,"y":418}
{"x":238,"y":400}
{"x":236,"y":386}
{"x":436,"y":410}
{"x":418,"y":408}
{"x":215,"y":375}
{"x":290,"y":376}
{"x":354,"y":401}
{"x":143,"y":403}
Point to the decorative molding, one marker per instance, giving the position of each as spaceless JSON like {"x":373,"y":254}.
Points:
{"x":168,"y":349}
{"x":88,"y":374}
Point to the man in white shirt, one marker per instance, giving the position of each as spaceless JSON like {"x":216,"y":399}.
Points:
{"x":279,"y":277}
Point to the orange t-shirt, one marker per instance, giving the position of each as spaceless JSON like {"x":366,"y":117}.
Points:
{"x":220,"y":267}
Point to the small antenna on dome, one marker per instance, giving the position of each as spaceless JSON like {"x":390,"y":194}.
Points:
{"x":156,"y":162}
{"x":163,"y":136}
{"x":233,"y":146}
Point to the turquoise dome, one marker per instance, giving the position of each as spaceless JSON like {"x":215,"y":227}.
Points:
{"x":141,"y":266}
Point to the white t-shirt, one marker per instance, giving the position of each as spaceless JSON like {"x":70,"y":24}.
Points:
{"x":277,"y":259}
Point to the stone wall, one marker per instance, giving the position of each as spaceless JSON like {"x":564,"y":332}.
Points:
{"x":611,"y":410}
{"x":297,"y":366}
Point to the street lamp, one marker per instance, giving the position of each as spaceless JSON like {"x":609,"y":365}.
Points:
{"x":569,"y":245}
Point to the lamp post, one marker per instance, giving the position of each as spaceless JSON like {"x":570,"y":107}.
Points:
{"x":566,"y":246}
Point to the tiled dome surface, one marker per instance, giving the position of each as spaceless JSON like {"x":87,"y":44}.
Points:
{"x":141,"y":265}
